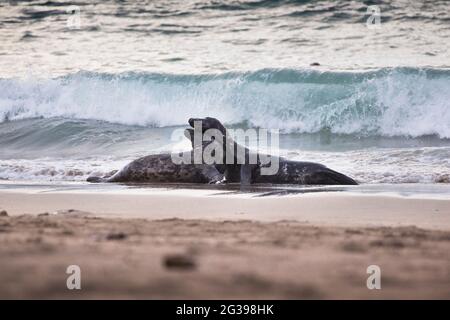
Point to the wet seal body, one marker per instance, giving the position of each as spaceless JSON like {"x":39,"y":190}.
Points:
{"x":289,"y":172}
{"x":161,"y":168}
{"x":300,"y":172}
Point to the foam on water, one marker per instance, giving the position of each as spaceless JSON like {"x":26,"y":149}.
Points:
{"x":368,"y":166}
{"x":151,"y":65}
{"x":389,"y":102}
{"x":58,"y":169}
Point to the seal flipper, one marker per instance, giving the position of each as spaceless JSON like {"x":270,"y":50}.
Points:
{"x":212,"y":174}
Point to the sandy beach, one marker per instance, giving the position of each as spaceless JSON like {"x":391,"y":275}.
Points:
{"x":118,"y":177}
{"x":158,"y":243}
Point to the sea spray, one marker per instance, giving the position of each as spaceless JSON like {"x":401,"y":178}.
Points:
{"x":387,"y":102}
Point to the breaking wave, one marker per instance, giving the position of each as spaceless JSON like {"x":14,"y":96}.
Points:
{"x":409,"y":102}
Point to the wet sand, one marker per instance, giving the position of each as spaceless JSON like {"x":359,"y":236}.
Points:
{"x":320,"y":208}
{"x":195,"y":245}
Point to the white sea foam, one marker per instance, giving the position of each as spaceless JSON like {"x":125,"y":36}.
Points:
{"x":390,"y":165}
{"x":389,"y":102}
{"x":56,"y":169}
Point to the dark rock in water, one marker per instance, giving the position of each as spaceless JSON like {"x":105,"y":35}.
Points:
{"x":179,"y":261}
{"x":116,"y":236}
{"x":3,"y":213}
{"x":315,"y":64}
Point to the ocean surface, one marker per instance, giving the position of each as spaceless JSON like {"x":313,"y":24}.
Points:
{"x":87,"y":86}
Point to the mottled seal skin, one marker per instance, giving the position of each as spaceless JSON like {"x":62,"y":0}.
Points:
{"x":160,"y":168}
{"x":300,"y":172}
{"x":289,"y":172}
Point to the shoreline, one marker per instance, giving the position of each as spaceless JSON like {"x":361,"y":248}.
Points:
{"x":329,"y":208}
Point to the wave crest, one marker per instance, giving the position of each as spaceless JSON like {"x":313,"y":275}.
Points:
{"x":388,"y":102}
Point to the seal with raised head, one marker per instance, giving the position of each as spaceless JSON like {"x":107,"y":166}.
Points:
{"x":289,"y":172}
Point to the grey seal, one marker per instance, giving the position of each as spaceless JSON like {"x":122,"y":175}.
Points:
{"x":160,"y":168}
{"x":289,"y":172}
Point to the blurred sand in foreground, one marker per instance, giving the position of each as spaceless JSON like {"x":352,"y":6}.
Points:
{"x":310,"y":247}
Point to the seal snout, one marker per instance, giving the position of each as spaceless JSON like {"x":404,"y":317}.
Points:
{"x":192,"y":121}
{"x":207,"y":123}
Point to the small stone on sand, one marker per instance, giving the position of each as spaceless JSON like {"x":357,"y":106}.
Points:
{"x":179,"y":261}
{"x":3,"y":213}
{"x":116,"y":236}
